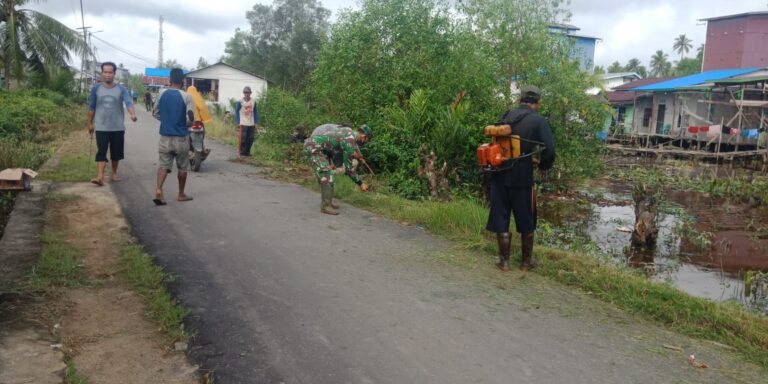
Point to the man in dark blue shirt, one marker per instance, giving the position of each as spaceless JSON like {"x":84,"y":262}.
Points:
{"x":513,"y":190}
{"x":175,"y":110}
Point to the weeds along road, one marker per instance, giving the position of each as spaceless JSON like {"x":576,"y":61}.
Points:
{"x":280,"y":293}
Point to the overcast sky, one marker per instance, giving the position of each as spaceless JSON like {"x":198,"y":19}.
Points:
{"x":195,"y":28}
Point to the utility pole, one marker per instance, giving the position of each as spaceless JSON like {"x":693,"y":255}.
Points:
{"x":85,"y":52}
{"x":159,"y":45}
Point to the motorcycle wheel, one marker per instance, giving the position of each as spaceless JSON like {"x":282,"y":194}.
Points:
{"x":197,"y":161}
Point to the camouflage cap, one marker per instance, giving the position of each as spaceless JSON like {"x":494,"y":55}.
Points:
{"x":530,"y":92}
{"x":366,"y":130}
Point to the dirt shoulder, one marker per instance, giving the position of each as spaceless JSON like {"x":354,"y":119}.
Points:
{"x":76,"y":316}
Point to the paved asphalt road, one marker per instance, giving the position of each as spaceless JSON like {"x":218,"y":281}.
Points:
{"x":280,"y":293}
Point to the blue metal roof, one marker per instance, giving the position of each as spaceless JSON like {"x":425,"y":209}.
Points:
{"x":695,"y":79}
{"x":160,"y":72}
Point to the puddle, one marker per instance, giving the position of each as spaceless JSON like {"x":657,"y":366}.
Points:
{"x":723,"y":239}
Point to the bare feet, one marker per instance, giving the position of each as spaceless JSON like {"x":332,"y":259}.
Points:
{"x":116,"y":178}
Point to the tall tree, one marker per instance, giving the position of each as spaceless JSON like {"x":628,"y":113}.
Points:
{"x":283,"y":42}
{"x":634,"y":65}
{"x":201,"y":63}
{"x":682,"y":45}
{"x":32,"y":41}
{"x":615,"y":67}
{"x":687,"y":66}
{"x":660,"y":65}
{"x":598,"y":70}
{"x":172,"y":63}
{"x":700,"y":52}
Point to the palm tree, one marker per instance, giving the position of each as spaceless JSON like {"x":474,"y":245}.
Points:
{"x":660,"y":65}
{"x":682,"y":45}
{"x":632,"y":65}
{"x":32,"y":41}
{"x":700,"y":52}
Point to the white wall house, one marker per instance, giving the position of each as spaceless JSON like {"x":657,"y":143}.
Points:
{"x":221,"y":82}
{"x":610,"y":81}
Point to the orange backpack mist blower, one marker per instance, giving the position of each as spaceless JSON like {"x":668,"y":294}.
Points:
{"x":504,"y":146}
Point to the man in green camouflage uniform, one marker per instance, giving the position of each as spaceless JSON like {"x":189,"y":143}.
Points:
{"x":320,"y":147}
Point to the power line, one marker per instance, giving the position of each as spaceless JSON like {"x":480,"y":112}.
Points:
{"x":125,"y":51}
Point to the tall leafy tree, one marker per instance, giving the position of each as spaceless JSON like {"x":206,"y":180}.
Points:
{"x":615,"y":67}
{"x":660,"y":65}
{"x":598,"y":70}
{"x":378,"y":56}
{"x":34,"y":42}
{"x":283,"y":42}
{"x":201,"y":63}
{"x":687,"y":66}
{"x":682,"y":45}
{"x":172,"y":63}
{"x":634,"y":65}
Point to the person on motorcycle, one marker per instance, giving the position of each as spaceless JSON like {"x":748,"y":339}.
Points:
{"x":197,"y":149}
{"x":202,"y":115}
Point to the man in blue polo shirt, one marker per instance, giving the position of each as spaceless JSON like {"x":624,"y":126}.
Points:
{"x":175,"y":110}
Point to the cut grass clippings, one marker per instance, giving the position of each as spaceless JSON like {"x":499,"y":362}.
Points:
{"x":149,"y":280}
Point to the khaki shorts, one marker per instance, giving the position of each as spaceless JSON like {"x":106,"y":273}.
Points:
{"x":174,"y":147}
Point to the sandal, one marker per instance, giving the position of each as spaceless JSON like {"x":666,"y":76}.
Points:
{"x":185,"y":198}
{"x":98,"y":182}
{"x":159,"y":200}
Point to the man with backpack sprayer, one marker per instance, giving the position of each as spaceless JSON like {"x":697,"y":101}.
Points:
{"x":512,"y":189}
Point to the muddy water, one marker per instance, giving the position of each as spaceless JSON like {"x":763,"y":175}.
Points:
{"x":736,"y":237}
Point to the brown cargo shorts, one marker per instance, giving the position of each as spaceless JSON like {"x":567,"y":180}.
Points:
{"x":174,"y":147}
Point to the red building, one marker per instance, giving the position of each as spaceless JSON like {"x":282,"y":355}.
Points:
{"x":736,"y":41}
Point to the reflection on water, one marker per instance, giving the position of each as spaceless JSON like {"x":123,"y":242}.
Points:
{"x":722,"y":239}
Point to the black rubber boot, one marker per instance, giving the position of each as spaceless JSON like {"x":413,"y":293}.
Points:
{"x":527,"y":262}
{"x":503,"y":239}
{"x":326,"y":193}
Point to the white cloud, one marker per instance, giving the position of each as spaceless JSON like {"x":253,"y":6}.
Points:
{"x":195,"y":28}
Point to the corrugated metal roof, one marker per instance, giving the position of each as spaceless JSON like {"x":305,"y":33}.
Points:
{"x":622,"y":94}
{"x":695,"y":79}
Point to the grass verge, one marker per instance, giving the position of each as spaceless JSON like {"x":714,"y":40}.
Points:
{"x":59,"y":265}
{"x":149,"y":280}
{"x":71,"y":168}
